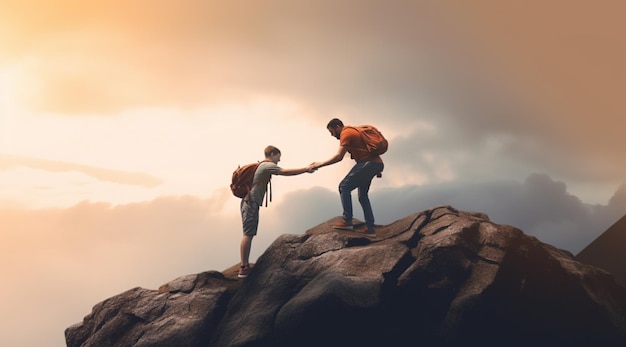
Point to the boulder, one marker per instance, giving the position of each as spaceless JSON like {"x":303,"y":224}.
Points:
{"x":183,"y":312}
{"x":440,"y":277}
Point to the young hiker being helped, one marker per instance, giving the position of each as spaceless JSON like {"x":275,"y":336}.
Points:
{"x":368,"y":165}
{"x":252,"y":201}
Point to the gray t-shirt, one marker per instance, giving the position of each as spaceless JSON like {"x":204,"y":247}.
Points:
{"x":262,"y":174}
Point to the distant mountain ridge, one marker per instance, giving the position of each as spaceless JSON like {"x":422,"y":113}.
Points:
{"x":608,"y":251}
{"x":440,"y":277}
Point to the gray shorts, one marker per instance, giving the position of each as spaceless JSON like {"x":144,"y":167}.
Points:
{"x":249,"y":217}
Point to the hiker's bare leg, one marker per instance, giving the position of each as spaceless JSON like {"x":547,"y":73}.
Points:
{"x":244,"y":248}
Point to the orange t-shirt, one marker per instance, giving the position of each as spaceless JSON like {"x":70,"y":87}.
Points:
{"x":351,"y":139}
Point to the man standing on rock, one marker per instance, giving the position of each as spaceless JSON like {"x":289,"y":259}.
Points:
{"x":251,"y":203}
{"x":360,"y":176}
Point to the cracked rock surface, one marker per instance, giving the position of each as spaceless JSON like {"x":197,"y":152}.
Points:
{"x":441,"y":277}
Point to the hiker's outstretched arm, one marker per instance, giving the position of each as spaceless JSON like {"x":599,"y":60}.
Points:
{"x":293,"y":172}
{"x":335,"y":159}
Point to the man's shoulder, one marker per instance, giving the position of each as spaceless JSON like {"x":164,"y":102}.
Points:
{"x":349,"y":129}
{"x":349,"y":132}
{"x":268,"y":166}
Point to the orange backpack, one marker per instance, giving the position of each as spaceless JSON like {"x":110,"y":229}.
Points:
{"x":241,"y":181}
{"x":374,"y":140}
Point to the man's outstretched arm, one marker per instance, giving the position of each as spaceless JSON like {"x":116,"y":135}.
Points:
{"x":293,"y":172}
{"x":334,"y":159}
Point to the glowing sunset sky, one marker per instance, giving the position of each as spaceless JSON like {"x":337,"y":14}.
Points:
{"x":121,"y":123}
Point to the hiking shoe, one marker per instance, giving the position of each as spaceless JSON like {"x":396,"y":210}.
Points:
{"x":343,"y":225}
{"x":244,"y":271}
{"x":363,"y":230}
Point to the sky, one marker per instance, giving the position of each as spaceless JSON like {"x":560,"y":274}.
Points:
{"x":121,"y":123}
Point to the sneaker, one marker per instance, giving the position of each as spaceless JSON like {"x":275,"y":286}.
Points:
{"x":244,"y":271}
{"x":363,"y":230}
{"x":343,"y":225}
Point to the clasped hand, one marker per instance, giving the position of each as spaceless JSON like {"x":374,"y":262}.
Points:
{"x":312,"y":167}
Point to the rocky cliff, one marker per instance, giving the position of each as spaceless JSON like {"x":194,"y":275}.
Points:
{"x":441,"y":277}
{"x":608,"y":251}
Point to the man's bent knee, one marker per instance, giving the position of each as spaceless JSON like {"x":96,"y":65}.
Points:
{"x":364,"y":198}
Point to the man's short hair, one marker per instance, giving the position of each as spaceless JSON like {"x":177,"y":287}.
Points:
{"x":335,"y":122}
{"x":270,"y":151}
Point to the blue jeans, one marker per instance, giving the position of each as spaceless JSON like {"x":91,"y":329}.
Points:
{"x":360,"y":176}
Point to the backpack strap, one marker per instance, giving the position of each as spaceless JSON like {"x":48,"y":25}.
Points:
{"x":269,"y":182}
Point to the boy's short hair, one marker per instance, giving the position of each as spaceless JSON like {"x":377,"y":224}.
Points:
{"x":334,"y":123}
{"x":270,"y":151}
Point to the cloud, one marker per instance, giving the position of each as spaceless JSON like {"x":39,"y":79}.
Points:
{"x":102,"y":174}
{"x":478,"y":71}
{"x":96,"y":58}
